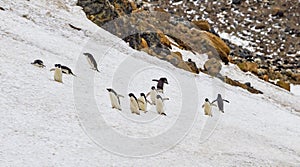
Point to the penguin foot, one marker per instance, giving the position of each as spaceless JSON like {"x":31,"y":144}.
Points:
{"x":164,"y":114}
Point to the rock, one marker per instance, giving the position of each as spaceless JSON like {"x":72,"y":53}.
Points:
{"x":212,"y":66}
{"x":178,"y":54}
{"x":244,"y":86}
{"x":144,"y":43}
{"x":277,"y":11}
{"x":248,"y":66}
{"x":248,"y":84}
{"x":193,"y":66}
{"x":218,"y":44}
{"x":237,"y":2}
{"x":284,"y":85}
{"x":164,"y":40}
{"x":202,"y":25}
{"x":260,"y":26}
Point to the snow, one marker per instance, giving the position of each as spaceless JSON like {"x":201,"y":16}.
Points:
{"x":45,"y":123}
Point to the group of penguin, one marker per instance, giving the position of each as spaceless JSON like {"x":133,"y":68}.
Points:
{"x":140,"y":104}
{"x":60,"y":69}
{"x":136,"y":104}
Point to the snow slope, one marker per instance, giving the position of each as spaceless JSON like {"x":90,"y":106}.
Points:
{"x":45,"y":123}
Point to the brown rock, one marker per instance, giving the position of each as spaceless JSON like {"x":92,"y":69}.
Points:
{"x":178,"y":54}
{"x":193,"y":66}
{"x":218,"y":44}
{"x":284,"y":85}
{"x":212,"y":66}
{"x":202,"y":25}
{"x":163,"y":39}
{"x":144,"y":43}
{"x":277,"y":11}
{"x":248,"y":66}
{"x":244,"y":86}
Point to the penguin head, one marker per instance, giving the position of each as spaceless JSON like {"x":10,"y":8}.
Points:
{"x":87,"y":54}
{"x":131,"y":95}
{"x":164,"y":80}
{"x":57,"y":65}
{"x":219,"y":96}
{"x":109,"y":89}
{"x":143,"y":95}
{"x":206,"y":99}
{"x":189,"y":60}
{"x":153,"y":88}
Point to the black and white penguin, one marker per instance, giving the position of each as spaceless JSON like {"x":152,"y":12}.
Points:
{"x":220,"y":102}
{"x":207,"y":107}
{"x":57,"y":73}
{"x":142,"y":101}
{"x":160,"y":84}
{"x":134,"y":106}
{"x":160,"y":105}
{"x":38,"y":63}
{"x":67,"y":70}
{"x":91,"y":61}
{"x":114,"y":99}
{"x":152,"y":94}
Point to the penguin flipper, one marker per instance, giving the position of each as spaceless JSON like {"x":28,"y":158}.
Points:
{"x":164,"y":114}
{"x":226,"y":101}
{"x":121,"y":96}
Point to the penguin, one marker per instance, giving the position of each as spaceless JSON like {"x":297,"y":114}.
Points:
{"x":142,"y":101}
{"x":134,"y":106}
{"x":207,"y":107}
{"x":91,"y":61}
{"x":192,"y":65}
{"x":57,"y":73}
{"x":160,"y":84}
{"x":220,"y":102}
{"x":160,"y":105}
{"x":66,"y":70}
{"x":38,"y":63}
{"x":152,"y":94}
{"x":114,"y":99}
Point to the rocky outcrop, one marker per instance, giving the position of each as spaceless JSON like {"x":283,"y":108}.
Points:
{"x":212,"y":67}
{"x":157,"y":32}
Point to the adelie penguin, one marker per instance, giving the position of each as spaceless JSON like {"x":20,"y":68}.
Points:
{"x":67,"y":70}
{"x":134,"y":105}
{"x":38,"y":63}
{"x":57,"y":73}
{"x":160,"y":84}
{"x":91,"y":61}
{"x":220,"y":102}
{"x":152,"y":94}
{"x":207,"y":107}
{"x":142,"y":101}
{"x":114,"y":99}
{"x":160,"y":105}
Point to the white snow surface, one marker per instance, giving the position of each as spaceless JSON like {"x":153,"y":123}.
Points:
{"x":41,"y":125}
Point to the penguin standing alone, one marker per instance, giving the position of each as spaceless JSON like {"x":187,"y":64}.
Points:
{"x":91,"y":61}
{"x":152,"y":94}
{"x":114,"y":99}
{"x":160,"y":84}
{"x":38,"y":63}
{"x":160,"y":105}
{"x":134,"y":106}
{"x":142,"y":101}
{"x":220,"y":102}
{"x":207,"y":107}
